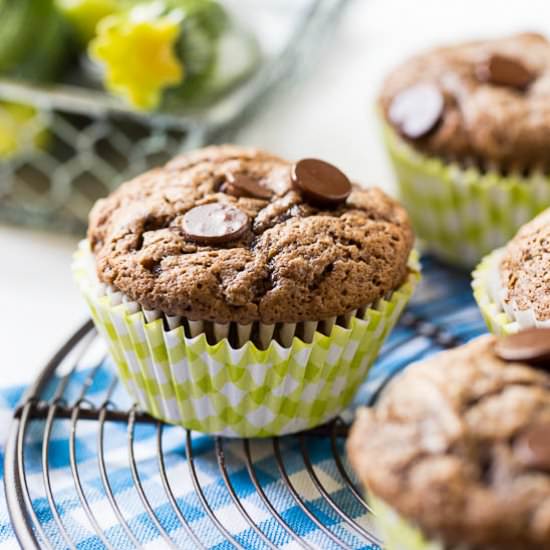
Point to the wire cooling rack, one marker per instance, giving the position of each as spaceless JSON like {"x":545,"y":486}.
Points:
{"x":77,"y":397}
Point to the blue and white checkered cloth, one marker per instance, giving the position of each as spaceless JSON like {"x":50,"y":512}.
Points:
{"x":444,"y":299}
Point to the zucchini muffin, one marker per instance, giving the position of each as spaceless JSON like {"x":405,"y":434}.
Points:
{"x":468,"y":131}
{"x":512,"y":284}
{"x":456,"y":453}
{"x":257,"y":290}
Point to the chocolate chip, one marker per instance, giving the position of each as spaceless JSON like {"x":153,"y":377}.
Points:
{"x":531,"y":346}
{"x":241,"y":185}
{"x":532,"y":448}
{"x":214,"y":223}
{"x":504,"y":71}
{"x":320,"y":183}
{"x":416,"y":111}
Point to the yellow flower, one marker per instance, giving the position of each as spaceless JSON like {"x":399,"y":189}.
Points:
{"x":139,"y":56}
{"x":21,"y":129}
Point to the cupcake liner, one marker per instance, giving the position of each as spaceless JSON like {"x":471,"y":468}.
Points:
{"x":501,"y":318}
{"x":396,"y":532}
{"x":461,"y":213}
{"x":238,"y":391}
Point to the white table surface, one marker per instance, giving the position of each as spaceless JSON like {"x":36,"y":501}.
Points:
{"x":330,"y":116}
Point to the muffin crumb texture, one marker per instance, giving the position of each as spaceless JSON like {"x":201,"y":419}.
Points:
{"x":295,"y":261}
{"x":496,"y":97}
{"x":524,"y":273}
{"x":450,"y":447}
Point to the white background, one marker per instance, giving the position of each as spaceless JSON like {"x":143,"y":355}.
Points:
{"x":330,"y":116}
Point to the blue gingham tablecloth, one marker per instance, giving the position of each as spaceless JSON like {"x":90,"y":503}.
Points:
{"x":444,"y":298}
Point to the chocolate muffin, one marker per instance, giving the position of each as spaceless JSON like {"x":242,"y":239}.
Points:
{"x":257,"y":261}
{"x":456,"y":452}
{"x":512,"y":284}
{"x":468,"y":128}
{"x":224,"y":235}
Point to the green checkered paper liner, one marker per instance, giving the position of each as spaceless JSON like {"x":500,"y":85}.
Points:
{"x":244,"y":392}
{"x":396,"y":531}
{"x":501,"y":317}
{"x":498,"y":321}
{"x":461,"y":213}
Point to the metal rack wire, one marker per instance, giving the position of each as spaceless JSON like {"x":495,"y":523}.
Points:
{"x":48,"y":402}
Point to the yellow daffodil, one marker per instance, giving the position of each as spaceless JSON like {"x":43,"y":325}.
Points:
{"x":137,"y":50}
{"x":21,"y":129}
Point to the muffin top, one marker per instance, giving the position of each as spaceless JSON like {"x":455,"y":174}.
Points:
{"x":460,"y":444}
{"x":483,"y":102}
{"x":236,"y":234}
{"x":524,"y":273}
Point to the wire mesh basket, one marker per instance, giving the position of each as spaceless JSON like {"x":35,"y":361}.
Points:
{"x":83,"y":467}
{"x":78,"y":144}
